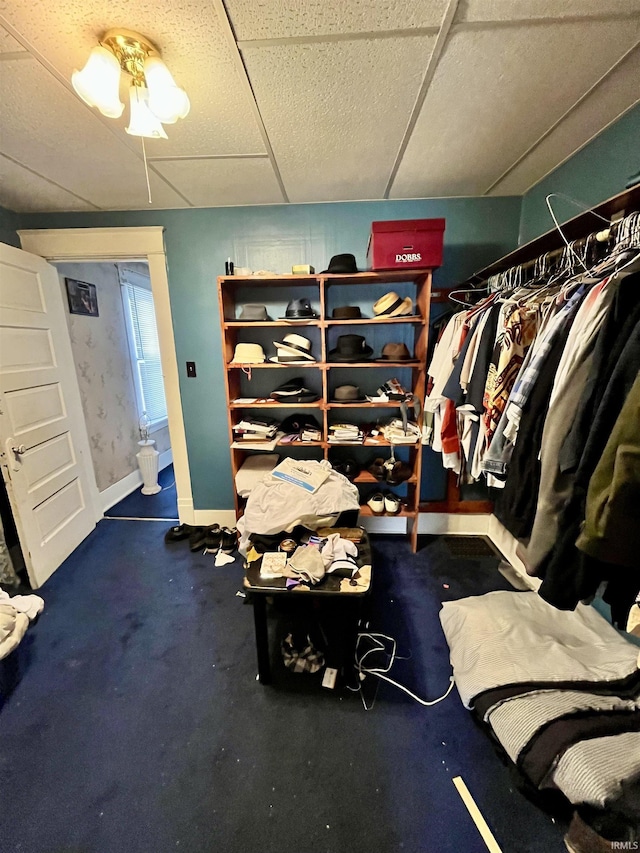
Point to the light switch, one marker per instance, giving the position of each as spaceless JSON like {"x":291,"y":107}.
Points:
{"x":191,"y":369}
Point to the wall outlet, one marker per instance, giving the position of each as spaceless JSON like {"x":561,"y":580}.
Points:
{"x":329,"y":678}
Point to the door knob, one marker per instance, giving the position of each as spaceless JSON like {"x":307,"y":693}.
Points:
{"x":19,"y":450}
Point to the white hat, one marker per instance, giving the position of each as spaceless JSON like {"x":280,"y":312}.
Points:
{"x":292,"y":348}
{"x":248,"y":354}
{"x":391,"y":305}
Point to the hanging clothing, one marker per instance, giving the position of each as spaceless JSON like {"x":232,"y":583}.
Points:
{"x":611,"y":532}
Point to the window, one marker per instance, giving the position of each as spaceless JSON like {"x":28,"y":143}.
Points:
{"x":145,"y":349}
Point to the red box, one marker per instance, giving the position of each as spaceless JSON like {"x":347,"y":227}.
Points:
{"x":406,"y":244}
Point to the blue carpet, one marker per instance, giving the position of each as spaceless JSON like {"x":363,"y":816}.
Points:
{"x":138,"y":724}
{"x":162,"y":505}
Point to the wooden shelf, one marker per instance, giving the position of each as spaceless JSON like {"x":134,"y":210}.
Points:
{"x":367,"y":512}
{"x":238,"y":387}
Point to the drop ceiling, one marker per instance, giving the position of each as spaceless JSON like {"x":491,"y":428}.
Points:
{"x":315,"y":100}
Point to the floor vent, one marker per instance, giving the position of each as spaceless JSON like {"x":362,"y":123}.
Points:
{"x":470,"y":546}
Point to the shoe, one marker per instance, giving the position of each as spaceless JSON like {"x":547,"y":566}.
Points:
{"x":229,"y":541}
{"x":392,"y":504}
{"x":399,"y":473}
{"x":178,"y":533}
{"x":377,"y":469}
{"x":213,"y":537}
{"x":583,"y":838}
{"x":376,"y":503}
{"x":197,"y":539}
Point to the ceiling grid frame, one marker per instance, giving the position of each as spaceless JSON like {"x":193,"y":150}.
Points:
{"x":225,"y":21}
{"x":438,"y":48}
{"x":532,"y":157}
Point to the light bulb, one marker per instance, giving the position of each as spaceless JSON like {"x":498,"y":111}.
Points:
{"x":167,"y":101}
{"x":98,"y":82}
{"x":142,"y":122}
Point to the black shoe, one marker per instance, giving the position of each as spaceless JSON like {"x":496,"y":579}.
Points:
{"x":197,"y":539}
{"x":229,"y":540}
{"x":178,"y":533}
{"x":213,"y":537}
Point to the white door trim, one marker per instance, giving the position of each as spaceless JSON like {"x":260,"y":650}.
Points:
{"x":137,"y":243}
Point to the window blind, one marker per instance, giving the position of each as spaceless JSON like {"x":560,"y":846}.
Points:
{"x":146,"y":350}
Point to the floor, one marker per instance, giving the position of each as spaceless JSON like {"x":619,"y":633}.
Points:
{"x":138,"y":723}
{"x":162,"y":505}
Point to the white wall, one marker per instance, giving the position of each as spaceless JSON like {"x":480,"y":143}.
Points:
{"x":101,"y":355}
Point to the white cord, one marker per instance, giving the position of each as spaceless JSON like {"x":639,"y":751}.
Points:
{"x":380,"y":672}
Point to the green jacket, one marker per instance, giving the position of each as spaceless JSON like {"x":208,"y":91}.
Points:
{"x":611,"y":530}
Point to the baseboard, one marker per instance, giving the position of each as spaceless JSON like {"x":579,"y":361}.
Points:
{"x":384,"y":524}
{"x":506,"y":543}
{"x":436,"y":523}
{"x":116,"y":492}
{"x":166,"y":458}
{"x":205,"y":517}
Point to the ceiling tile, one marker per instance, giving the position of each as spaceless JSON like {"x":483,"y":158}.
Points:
{"x":347,"y":106}
{"x":221,"y":183}
{"x":192,"y":44}
{"x":508,"y":10}
{"x":269,"y":19}
{"x":24,"y":192}
{"x":612,"y":98}
{"x":8,"y":44}
{"x":48,"y":129}
{"x":495,"y":92}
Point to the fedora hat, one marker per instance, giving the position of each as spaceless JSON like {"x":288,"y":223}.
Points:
{"x":252,"y":312}
{"x":395,"y":352}
{"x":299,"y":309}
{"x":348,"y":394}
{"x":248,"y":354}
{"x":391,"y":305}
{"x":351,"y":348}
{"x":292,"y":348}
{"x":341,"y":264}
{"x":294,"y":391}
{"x":298,"y":422}
{"x":347,"y":312}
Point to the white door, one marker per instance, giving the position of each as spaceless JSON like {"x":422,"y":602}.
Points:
{"x":45,"y":451}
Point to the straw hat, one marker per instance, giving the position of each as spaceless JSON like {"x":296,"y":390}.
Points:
{"x":391,"y":305}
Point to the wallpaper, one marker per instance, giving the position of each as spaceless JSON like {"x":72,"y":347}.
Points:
{"x":101,"y":354}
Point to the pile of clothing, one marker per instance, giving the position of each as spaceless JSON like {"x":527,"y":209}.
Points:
{"x":276,"y":505}
{"x":560,"y":692}
{"x":16,"y":612}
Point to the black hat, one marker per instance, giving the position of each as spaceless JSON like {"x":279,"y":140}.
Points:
{"x":341,"y":264}
{"x":298,"y":422}
{"x":348,"y":394}
{"x":347,"y":312}
{"x":351,"y":348}
{"x":299,"y":309}
{"x":294,"y":391}
{"x":251,"y":312}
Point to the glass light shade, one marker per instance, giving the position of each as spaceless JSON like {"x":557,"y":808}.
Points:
{"x":142,"y":121}
{"x":99,"y":81}
{"x":166,"y":100}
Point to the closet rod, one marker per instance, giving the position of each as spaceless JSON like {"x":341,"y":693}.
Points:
{"x":578,"y":227}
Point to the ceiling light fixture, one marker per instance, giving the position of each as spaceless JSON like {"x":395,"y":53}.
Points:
{"x":154,"y":96}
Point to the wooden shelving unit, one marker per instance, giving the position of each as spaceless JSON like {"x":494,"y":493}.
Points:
{"x":230,"y":296}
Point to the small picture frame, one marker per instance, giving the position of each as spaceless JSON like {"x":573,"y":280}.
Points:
{"x":82,"y":297}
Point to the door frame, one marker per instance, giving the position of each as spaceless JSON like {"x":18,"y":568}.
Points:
{"x":145,"y":243}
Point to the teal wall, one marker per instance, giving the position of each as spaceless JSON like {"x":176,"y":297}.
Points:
{"x":9,"y":223}
{"x":595,"y":173}
{"x":198,"y":243}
